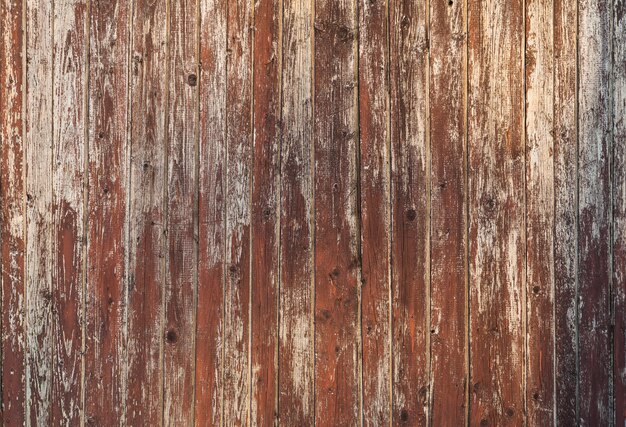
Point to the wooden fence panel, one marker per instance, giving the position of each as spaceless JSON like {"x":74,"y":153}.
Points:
{"x":301,"y":212}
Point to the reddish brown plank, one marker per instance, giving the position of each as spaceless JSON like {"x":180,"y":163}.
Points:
{"x":38,"y":141}
{"x":565,"y":210}
{"x":12,"y":209}
{"x":210,"y":313}
{"x":410,"y":222}
{"x":296,"y":361}
{"x":337,"y":263}
{"x":496,"y":212}
{"x":619,"y":210}
{"x":69,"y":150}
{"x":539,"y":213}
{"x":105,"y":295}
{"x":265,"y":220}
{"x":375,"y":211}
{"x":146,"y":244}
{"x":238,"y":193}
{"x":181,"y":260}
{"x":448,"y":240}
{"x":594,"y":210}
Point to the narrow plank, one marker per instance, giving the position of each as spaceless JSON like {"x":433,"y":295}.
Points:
{"x":181,"y":262}
{"x":565,"y":210}
{"x":12,"y":209}
{"x":410,"y":174}
{"x":594,"y":210}
{"x":448,"y":242}
{"x":39,"y":238}
{"x":619,"y":210}
{"x":238,"y":194}
{"x":146,"y":250}
{"x":539,"y":212}
{"x":496,"y":211}
{"x":211,"y":273}
{"x":105,"y":295}
{"x":296,"y":357}
{"x":69,"y":149}
{"x":265,"y":219}
{"x":375,"y":211}
{"x":337,"y":263}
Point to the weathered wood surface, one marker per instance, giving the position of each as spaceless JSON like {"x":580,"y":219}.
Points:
{"x":299,"y":212}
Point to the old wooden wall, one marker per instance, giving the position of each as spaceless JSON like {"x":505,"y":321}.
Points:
{"x":330,"y":212}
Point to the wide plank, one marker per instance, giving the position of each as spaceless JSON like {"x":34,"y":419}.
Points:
{"x":594,"y":210}
{"x":210,"y":327}
{"x":496,"y":212}
{"x":12,"y":214}
{"x":410,"y":210}
{"x":146,"y":212}
{"x":239,"y":148}
{"x":565,"y":210}
{"x":265,"y":218}
{"x":337,"y":261}
{"x":449,"y":347}
{"x":39,"y":221}
{"x":182,"y":214}
{"x":296,"y":328}
{"x":69,"y":179}
{"x":375,"y":211}
{"x":539,"y":63}
{"x":105,"y":289}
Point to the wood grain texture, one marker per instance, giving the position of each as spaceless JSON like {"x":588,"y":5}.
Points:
{"x":69,"y":150}
{"x":146,"y":212}
{"x":296,"y":328}
{"x":337,"y":263}
{"x":410,"y":222}
{"x":39,"y":222}
{"x":12,"y":214}
{"x":496,"y":212}
{"x":210,"y":326}
{"x":299,"y":212}
{"x":105,"y":288}
{"x":239,"y":155}
{"x":181,"y":220}
{"x":375,"y":211}
{"x":565,"y":210}
{"x":265,"y":225}
{"x":619,"y":210}
{"x":448,"y":239}
{"x":594,"y":210}
{"x":539,"y":62}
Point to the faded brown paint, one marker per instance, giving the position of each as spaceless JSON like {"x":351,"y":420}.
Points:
{"x":12,"y":210}
{"x":304,"y":211}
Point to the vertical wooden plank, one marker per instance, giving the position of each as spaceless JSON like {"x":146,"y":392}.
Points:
{"x":619,"y":209}
{"x":296,"y":357}
{"x":12,"y":243}
{"x":265,"y":219}
{"x":410,"y":174}
{"x":69,"y":145}
{"x":39,"y":249}
{"x":594,"y":209}
{"x":210,"y":312}
{"x":375,"y":211}
{"x":496,"y":210}
{"x":238,"y":195}
{"x":146,"y":250}
{"x":181,"y":262}
{"x":565,"y":209}
{"x":539,"y":212}
{"x":105,"y":296}
{"x":448,"y":242}
{"x":337,"y":263}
